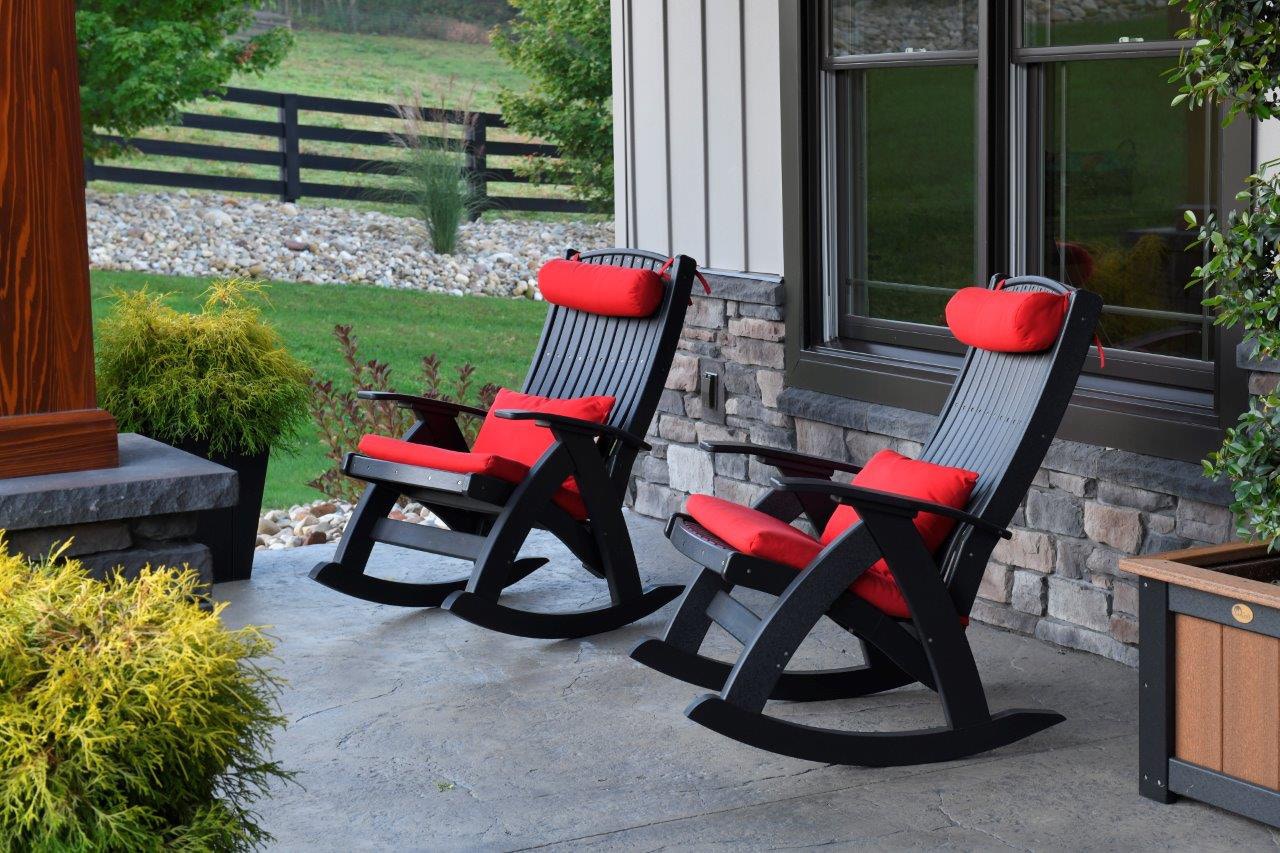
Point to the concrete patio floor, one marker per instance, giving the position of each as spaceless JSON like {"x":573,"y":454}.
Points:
{"x":413,"y":730}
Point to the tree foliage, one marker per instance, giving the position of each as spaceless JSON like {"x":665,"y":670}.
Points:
{"x":563,"y":47}
{"x":1233,"y":63}
{"x":140,"y":60}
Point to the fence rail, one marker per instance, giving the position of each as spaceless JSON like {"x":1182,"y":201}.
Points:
{"x":296,"y":166}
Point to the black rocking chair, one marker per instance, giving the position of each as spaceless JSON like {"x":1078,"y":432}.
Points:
{"x":998,"y":421}
{"x":580,"y":354}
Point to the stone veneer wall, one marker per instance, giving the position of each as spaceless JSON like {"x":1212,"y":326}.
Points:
{"x":1056,"y":579}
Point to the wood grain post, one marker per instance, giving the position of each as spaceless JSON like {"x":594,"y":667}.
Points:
{"x":49,"y":419}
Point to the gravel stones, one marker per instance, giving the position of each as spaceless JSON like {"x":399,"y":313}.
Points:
{"x":187,"y":234}
{"x":323,"y":521}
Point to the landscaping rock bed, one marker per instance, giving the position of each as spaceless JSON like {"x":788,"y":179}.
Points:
{"x":212,"y":235}
{"x":322,"y":521}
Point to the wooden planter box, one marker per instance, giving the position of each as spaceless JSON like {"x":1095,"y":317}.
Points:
{"x":1209,"y":702}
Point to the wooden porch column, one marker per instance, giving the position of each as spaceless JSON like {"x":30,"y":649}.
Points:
{"x":49,"y":419}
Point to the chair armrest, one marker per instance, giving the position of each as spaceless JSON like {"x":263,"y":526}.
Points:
{"x":787,"y":457}
{"x":422,"y":404}
{"x":568,"y":424}
{"x":859,"y":497}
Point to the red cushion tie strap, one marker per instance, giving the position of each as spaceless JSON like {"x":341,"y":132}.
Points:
{"x":662,"y":271}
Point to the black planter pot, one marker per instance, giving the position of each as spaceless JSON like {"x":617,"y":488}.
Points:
{"x":231,"y":534}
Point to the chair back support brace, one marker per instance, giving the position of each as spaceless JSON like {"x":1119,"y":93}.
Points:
{"x":998,"y":421}
{"x":579,"y":354}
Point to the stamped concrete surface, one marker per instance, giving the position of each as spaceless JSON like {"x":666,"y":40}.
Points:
{"x":413,"y":730}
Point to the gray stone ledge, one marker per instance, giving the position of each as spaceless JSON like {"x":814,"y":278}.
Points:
{"x":152,"y":479}
{"x":743,"y":287}
{"x":1184,"y":479}
{"x":1245,"y":359}
{"x":855,"y":414}
{"x":1169,"y":476}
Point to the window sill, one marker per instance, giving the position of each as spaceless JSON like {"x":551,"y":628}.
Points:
{"x":1153,"y":420}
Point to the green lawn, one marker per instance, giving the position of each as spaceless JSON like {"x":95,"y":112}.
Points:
{"x":379,"y":68}
{"x":397,"y":326}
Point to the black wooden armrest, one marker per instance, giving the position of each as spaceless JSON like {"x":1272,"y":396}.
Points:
{"x":568,"y":424}
{"x":787,"y":457}
{"x":859,"y":497}
{"x":422,"y":404}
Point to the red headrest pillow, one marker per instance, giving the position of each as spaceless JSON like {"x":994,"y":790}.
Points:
{"x":601,"y":289}
{"x":1007,"y":320}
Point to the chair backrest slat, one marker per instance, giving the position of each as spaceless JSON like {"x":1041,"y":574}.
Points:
{"x":999,"y":420}
{"x":582,"y":354}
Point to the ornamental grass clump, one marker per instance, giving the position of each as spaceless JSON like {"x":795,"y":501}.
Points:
{"x":221,"y":377}
{"x":434,"y":168}
{"x":130,"y":718}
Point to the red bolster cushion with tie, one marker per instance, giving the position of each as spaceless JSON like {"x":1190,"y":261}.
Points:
{"x":1007,"y":320}
{"x":601,"y":289}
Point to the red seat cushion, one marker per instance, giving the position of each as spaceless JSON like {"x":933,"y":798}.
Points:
{"x":601,"y":288}
{"x":487,"y":464}
{"x":1006,"y":320}
{"x":760,"y":535}
{"x":525,"y":441}
{"x":753,"y":532}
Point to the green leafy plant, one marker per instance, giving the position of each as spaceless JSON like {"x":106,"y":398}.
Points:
{"x":434,"y":167}
{"x":140,"y":61}
{"x":1232,"y":62}
{"x":130,"y":718}
{"x":343,"y":419}
{"x":563,"y":47}
{"x":221,"y":376}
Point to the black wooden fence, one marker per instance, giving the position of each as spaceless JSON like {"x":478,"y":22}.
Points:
{"x":297,"y":167}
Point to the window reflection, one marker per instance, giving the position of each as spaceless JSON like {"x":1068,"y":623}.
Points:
{"x":1120,"y":168}
{"x":910,"y":219}
{"x":902,"y":26}
{"x":1049,"y":23}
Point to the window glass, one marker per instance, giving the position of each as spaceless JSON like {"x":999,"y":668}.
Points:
{"x":1119,"y":168}
{"x":910,"y":218}
{"x":902,"y":26}
{"x":1055,"y":23}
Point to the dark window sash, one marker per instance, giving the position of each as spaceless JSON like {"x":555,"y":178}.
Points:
{"x":1181,"y":419}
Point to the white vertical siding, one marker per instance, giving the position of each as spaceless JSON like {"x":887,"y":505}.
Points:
{"x":650,"y":208}
{"x":1267,"y":141}
{"x":686,"y":117}
{"x":726,"y":162}
{"x":697,"y":139}
{"x":763,"y":107}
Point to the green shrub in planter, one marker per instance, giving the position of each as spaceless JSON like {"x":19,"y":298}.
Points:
{"x":221,"y":377}
{"x":218,"y":384}
{"x":130,"y":718}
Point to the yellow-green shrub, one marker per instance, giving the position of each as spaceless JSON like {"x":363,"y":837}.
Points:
{"x":221,"y":376}
{"x":130,"y":718}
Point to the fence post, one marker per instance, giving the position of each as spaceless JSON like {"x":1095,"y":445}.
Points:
{"x":290,"y":170}
{"x":476,"y":138}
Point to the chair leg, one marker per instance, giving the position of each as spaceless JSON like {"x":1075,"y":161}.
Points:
{"x":737,"y":712}
{"x":478,"y":603}
{"x":346,"y":573}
